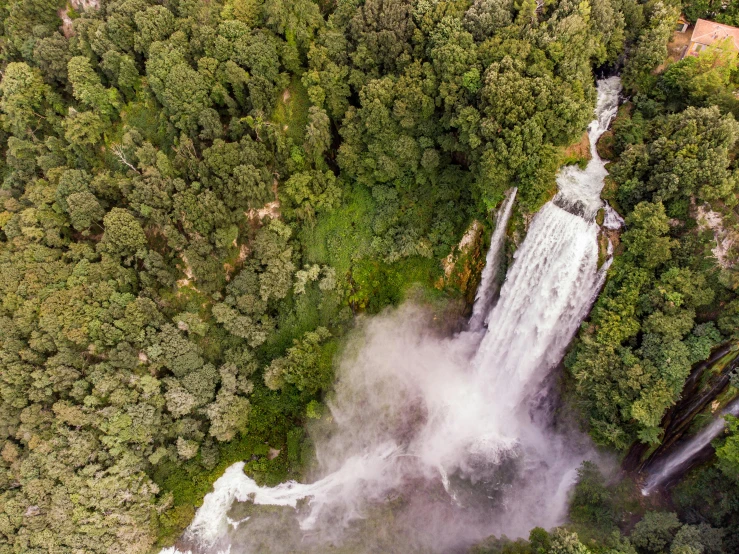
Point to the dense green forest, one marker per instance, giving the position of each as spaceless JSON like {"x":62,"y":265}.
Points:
{"x":198,"y":197}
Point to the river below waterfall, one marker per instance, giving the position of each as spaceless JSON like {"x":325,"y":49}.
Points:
{"x":440,"y":441}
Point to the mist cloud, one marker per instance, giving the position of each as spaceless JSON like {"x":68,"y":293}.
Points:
{"x":413,"y":426}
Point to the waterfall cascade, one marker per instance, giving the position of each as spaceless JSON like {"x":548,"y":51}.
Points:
{"x":412,"y":408}
{"x":488,"y":286}
{"x":612,"y":219}
{"x":579,"y":190}
{"x":685,"y":451}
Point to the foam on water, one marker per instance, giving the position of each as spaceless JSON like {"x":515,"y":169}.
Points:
{"x":612,"y":219}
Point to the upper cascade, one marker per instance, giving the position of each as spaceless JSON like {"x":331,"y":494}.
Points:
{"x":579,"y":190}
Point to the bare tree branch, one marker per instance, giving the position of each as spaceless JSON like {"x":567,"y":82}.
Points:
{"x":117,"y":149}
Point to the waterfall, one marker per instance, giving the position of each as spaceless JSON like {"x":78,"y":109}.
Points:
{"x":416,"y":415}
{"x":554,"y":277}
{"x":542,"y":302}
{"x":612,"y":219}
{"x":487,"y":289}
{"x":680,"y":458}
{"x":579,"y":190}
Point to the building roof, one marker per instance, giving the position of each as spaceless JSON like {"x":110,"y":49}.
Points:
{"x":707,"y":32}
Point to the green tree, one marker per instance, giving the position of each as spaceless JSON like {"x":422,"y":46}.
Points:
{"x":728,"y":451}
{"x":305,"y":364}
{"x":230,"y":411}
{"x":655,"y":531}
{"x":485,"y":17}
{"x":52,"y":55}
{"x":686,"y":155}
{"x":154,"y":24}
{"x":591,"y":503}
{"x":565,"y":542}
{"x":645,"y":238}
{"x":317,"y":135}
{"x":703,"y":79}
{"x":312,"y":192}
{"x":84,"y":210}
{"x":296,"y":20}
{"x":702,"y":539}
{"x":123,"y":233}
{"x":121,"y":70}
{"x":83,"y":130}
{"x":23,"y":99}
{"x":89,"y":90}
{"x":382,"y":30}
{"x":651,"y":48}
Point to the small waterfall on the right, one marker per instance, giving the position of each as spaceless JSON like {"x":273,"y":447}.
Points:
{"x":680,"y":458}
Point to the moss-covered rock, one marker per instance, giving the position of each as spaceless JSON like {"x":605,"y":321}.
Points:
{"x":578,"y":153}
{"x":604,"y":146}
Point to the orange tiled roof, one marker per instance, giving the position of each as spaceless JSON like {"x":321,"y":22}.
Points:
{"x":707,"y":32}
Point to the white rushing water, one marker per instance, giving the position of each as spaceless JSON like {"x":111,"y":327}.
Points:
{"x":414,"y":411}
{"x":488,"y":287}
{"x":677,"y":460}
{"x":612,"y":219}
{"x":579,"y":191}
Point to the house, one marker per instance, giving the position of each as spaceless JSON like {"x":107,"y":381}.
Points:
{"x":707,"y":33}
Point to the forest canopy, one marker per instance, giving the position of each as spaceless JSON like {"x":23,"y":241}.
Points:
{"x":197,"y":197}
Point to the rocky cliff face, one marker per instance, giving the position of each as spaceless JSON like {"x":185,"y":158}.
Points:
{"x":463,"y":265}
{"x":706,"y":392}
